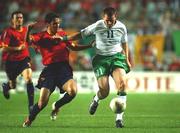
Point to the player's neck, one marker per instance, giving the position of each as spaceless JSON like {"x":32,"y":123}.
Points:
{"x":51,"y":32}
{"x":111,"y":25}
{"x":18,"y":28}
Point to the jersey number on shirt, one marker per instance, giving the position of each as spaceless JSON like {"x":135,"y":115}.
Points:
{"x":110,"y":34}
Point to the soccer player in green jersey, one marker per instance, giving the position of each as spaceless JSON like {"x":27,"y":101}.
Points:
{"x":111,"y":57}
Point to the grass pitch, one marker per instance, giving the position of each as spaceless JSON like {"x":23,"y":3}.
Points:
{"x":145,"y":113}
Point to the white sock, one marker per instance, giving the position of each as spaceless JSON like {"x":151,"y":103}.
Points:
{"x":96,"y":98}
{"x":119,"y":116}
{"x":123,"y":98}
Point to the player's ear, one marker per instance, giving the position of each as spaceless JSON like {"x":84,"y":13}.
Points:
{"x":116,"y":15}
{"x":102,"y":15}
{"x":47,"y":24}
{"x":11,"y":21}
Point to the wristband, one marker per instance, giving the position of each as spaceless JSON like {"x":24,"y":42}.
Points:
{"x":64,"y":38}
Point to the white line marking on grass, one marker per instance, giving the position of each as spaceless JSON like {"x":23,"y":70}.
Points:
{"x":98,"y":115}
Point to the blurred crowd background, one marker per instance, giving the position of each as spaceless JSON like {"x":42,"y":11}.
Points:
{"x":153,"y":28}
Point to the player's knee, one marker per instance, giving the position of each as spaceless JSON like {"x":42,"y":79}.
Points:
{"x":28,"y":79}
{"x":12,"y":84}
{"x":72,"y":92}
{"x":104,"y":93}
{"x":42,"y":104}
{"x":121,"y":86}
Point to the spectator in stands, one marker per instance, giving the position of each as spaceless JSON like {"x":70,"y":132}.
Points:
{"x":149,"y":56}
{"x":175,"y":64}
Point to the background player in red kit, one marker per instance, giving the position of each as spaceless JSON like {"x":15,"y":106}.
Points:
{"x":16,"y":56}
{"x":57,"y":71}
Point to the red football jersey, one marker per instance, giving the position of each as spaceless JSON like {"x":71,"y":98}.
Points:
{"x":0,"y":41}
{"x":51,"y":49}
{"x":14,"y":38}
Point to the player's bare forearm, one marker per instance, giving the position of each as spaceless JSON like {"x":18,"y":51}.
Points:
{"x":13,"y":49}
{"x":79,"y":47}
{"x":75,"y":36}
{"x":126,"y":52}
{"x":10,"y":49}
{"x":3,"y":45}
{"x":29,"y":29}
{"x":125,"y":49}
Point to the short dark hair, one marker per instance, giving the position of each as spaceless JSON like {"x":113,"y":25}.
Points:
{"x":16,"y":12}
{"x":50,"y":17}
{"x":110,"y":11}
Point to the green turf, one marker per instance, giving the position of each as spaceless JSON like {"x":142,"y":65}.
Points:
{"x":146,"y":113}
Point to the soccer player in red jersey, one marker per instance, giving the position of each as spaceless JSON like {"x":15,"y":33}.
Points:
{"x":16,"y":56}
{"x":57,"y":71}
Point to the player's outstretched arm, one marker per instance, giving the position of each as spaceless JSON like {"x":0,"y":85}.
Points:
{"x":29,"y":29}
{"x":75,"y":47}
{"x":13,"y":49}
{"x":126,"y":52}
{"x":73,"y":37}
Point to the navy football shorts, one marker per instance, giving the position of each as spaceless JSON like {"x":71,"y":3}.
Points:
{"x":55,"y":75}
{"x":15,"y":68}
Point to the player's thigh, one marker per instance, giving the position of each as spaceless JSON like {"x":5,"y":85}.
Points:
{"x":103,"y":83}
{"x":70,"y":87}
{"x":119,"y":76}
{"x":119,"y":61}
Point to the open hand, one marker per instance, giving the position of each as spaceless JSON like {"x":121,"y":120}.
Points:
{"x":21,"y":47}
{"x":31,"y":25}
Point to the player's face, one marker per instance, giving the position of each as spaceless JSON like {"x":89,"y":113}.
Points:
{"x":109,"y":20}
{"x":54,"y":25}
{"x":17,"y":19}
